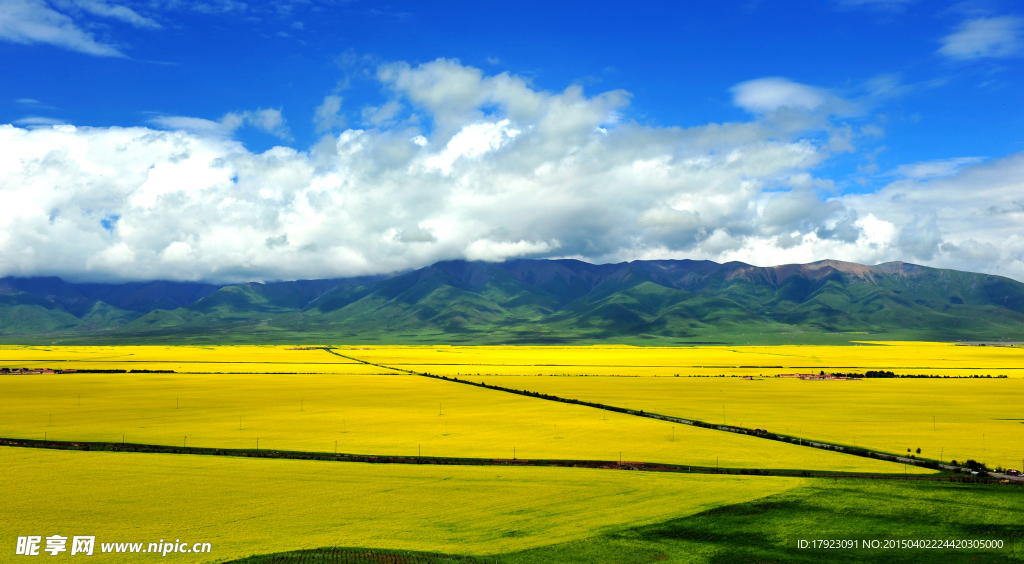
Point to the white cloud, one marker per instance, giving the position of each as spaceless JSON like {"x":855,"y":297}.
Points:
{"x":934,"y":169}
{"x":979,"y":38}
{"x":497,"y":251}
{"x":268,"y":120}
{"x":878,"y":233}
{"x":416,"y":235}
{"x":969,"y":221}
{"x":327,"y":117}
{"x":793,"y":105}
{"x":33,"y":21}
{"x":195,"y":125}
{"x":474,"y":140}
{"x":768,"y":94}
{"x":105,"y":10}
{"x":383,"y":114}
{"x":38,"y":120}
{"x":454,"y":95}
{"x":507,"y":171}
{"x":63,"y":23}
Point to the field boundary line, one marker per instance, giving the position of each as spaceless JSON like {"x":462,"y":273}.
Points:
{"x":758,"y":433}
{"x":467,"y":461}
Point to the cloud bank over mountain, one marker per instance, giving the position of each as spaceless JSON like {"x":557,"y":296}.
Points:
{"x":459,"y":164}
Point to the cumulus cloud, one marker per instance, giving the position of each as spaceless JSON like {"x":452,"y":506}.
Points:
{"x":454,"y":94}
{"x":474,"y":140}
{"x":501,"y":170}
{"x":969,"y":221}
{"x":798,"y":210}
{"x":979,"y":38}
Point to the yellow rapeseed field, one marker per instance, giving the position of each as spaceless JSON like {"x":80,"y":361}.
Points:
{"x":397,"y":414}
{"x":899,"y":357}
{"x":614,"y":360}
{"x":946,"y":418}
{"x":253,"y":506}
{"x":247,"y":359}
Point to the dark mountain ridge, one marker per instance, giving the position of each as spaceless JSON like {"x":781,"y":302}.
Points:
{"x":535,"y":301}
{"x":132,"y":296}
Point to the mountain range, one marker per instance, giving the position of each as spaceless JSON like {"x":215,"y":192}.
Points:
{"x":533,"y":301}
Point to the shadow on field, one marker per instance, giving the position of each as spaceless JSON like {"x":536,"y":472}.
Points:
{"x":766,"y":530}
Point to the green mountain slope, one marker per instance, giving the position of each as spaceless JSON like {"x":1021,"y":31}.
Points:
{"x":25,"y":313}
{"x":553,"y":301}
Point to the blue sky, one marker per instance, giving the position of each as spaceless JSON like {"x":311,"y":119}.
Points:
{"x":889,"y":98}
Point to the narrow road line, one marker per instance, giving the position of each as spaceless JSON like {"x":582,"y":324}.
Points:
{"x":761,"y":434}
{"x":445,"y":461}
